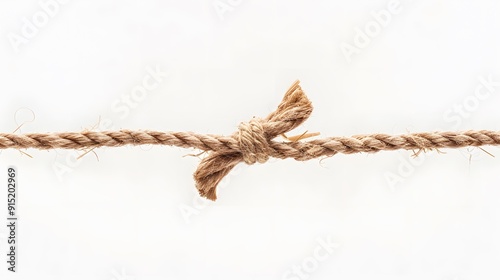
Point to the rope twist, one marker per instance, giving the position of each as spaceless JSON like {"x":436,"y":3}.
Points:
{"x":253,"y":142}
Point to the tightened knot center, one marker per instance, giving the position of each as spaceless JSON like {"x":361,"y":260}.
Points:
{"x":253,"y":142}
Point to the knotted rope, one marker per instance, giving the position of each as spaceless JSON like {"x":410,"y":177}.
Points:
{"x":253,"y":142}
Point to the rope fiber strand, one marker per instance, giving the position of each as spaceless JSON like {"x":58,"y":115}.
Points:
{"x":253,"y":142}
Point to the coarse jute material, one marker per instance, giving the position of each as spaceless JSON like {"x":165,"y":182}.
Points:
{"x":253,"y":142}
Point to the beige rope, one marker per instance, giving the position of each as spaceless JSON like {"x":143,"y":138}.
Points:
{"x":253,"y":142}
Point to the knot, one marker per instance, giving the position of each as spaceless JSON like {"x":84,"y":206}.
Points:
{"x":254,"y":140}
{"x":254,"y":146}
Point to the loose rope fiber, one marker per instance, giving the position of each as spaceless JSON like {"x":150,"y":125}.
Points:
{"x":253,"y":142}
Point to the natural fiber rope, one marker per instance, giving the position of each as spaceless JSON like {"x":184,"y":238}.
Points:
{"x":253,"y":142}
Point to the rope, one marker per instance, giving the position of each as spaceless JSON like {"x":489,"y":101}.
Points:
{"x":253,"y":142}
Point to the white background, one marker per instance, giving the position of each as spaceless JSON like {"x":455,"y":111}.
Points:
{"x":134,"y":213}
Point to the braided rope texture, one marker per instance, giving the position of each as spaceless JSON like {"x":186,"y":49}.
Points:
{"x":253,"y":142}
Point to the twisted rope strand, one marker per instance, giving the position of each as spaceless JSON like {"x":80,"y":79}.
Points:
{"x":253,"y":142}
{"x":94,"y":139}
{"x":297,"y":150}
